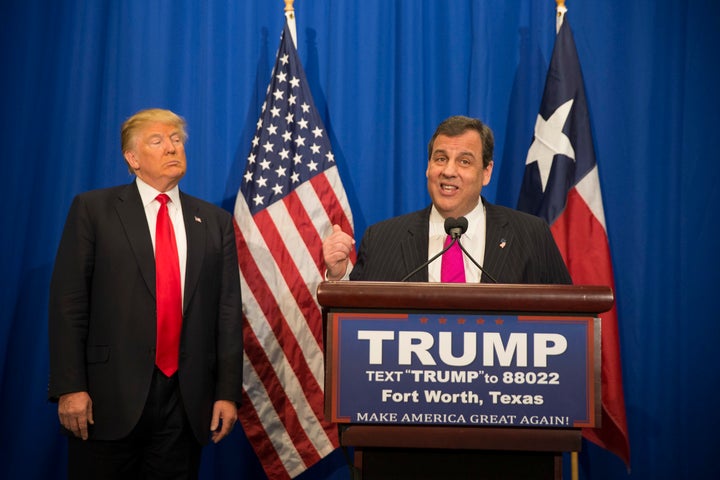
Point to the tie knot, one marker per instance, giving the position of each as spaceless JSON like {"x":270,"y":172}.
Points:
{"x":162,"y":198}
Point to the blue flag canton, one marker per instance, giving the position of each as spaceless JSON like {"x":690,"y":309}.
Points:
{"x":562,"y":152}
{"x":565,"y":82}
{"x":290,"y":145}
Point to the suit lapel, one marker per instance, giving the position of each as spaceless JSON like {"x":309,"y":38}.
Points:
{"x":414,"y":246}
{"x":497,"y":240}
{"x":195,"y":230}
{"x":134,"y":221}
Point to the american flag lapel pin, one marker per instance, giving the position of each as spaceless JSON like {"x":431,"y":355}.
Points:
{"x":198,"y":219}
{"x":503,"y":242}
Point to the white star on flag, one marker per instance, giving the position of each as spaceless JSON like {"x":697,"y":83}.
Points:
{"x":550,"y":141}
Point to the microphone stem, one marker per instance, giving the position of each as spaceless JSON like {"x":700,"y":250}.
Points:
{"x":473,"y":261}
{"x":432,"y":259}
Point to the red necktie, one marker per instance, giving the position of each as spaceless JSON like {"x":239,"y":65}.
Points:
{"x":167,"y":291}
{"x":452,"y":269}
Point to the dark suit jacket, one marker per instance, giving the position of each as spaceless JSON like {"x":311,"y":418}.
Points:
{"x":395,"y":247}
{"x":102,"y":311}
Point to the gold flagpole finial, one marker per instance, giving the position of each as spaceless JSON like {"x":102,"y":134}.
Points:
{"x":561,"y":10}
{"x":290,"y":17}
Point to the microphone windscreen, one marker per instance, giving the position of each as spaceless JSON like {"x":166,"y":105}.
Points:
{"x":462,"y":224}
{"x":458,"y":225}
{"x":450,"y":223}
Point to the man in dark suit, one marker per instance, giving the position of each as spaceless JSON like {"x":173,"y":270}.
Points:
{"x":515,"y":247}
{"x":129,"y":410}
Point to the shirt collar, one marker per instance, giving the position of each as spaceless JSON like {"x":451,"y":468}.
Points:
{"x":148,"y":193}
{"x":437,"y":222}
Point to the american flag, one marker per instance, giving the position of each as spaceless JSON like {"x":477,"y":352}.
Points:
{"x":290,"y":197}
{"x":561,"y":185}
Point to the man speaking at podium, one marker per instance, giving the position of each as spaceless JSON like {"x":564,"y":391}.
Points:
{"x":514,"y":247}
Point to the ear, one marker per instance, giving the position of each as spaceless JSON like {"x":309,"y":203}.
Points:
{"x":131,"y":159}
{"x":488,"y":173}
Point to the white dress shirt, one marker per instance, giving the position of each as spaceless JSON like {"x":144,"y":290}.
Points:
{"x":473,"y":240}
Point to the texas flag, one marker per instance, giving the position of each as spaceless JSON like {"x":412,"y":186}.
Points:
{"x":561,"y":185}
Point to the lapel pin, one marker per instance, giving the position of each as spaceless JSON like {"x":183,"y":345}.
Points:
{"x":198,"y":219}
{"x":503,"y":243}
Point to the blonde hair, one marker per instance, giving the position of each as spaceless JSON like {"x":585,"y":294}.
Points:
{"x":135,"y":123}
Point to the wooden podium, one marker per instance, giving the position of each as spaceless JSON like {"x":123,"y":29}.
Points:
{"x":410,"y":451}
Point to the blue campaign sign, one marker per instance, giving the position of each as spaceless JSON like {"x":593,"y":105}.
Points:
{"x":463,"y":369}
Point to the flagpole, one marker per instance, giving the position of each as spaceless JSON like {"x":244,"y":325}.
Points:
{"x":561,"y":10}
{"x":290,"y":17}
{"x":574,"y":465}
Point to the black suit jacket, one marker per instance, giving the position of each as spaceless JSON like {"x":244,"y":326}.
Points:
{"x":102,"y":322}
{"x":395,"y":247}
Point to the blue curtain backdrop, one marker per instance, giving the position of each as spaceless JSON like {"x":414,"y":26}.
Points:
{"x":383,"y":74}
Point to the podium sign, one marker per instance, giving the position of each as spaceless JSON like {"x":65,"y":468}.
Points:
{"x":433,"y":380}
{"x":463,"y":369}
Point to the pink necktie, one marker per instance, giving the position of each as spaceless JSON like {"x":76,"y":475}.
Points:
{"x":167,"y":291}
{"x":453,"y":268}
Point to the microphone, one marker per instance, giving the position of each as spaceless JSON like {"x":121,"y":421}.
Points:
{"x":454,"y":227}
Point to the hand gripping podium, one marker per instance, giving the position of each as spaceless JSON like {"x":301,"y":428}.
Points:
{"x":482,"y":381}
